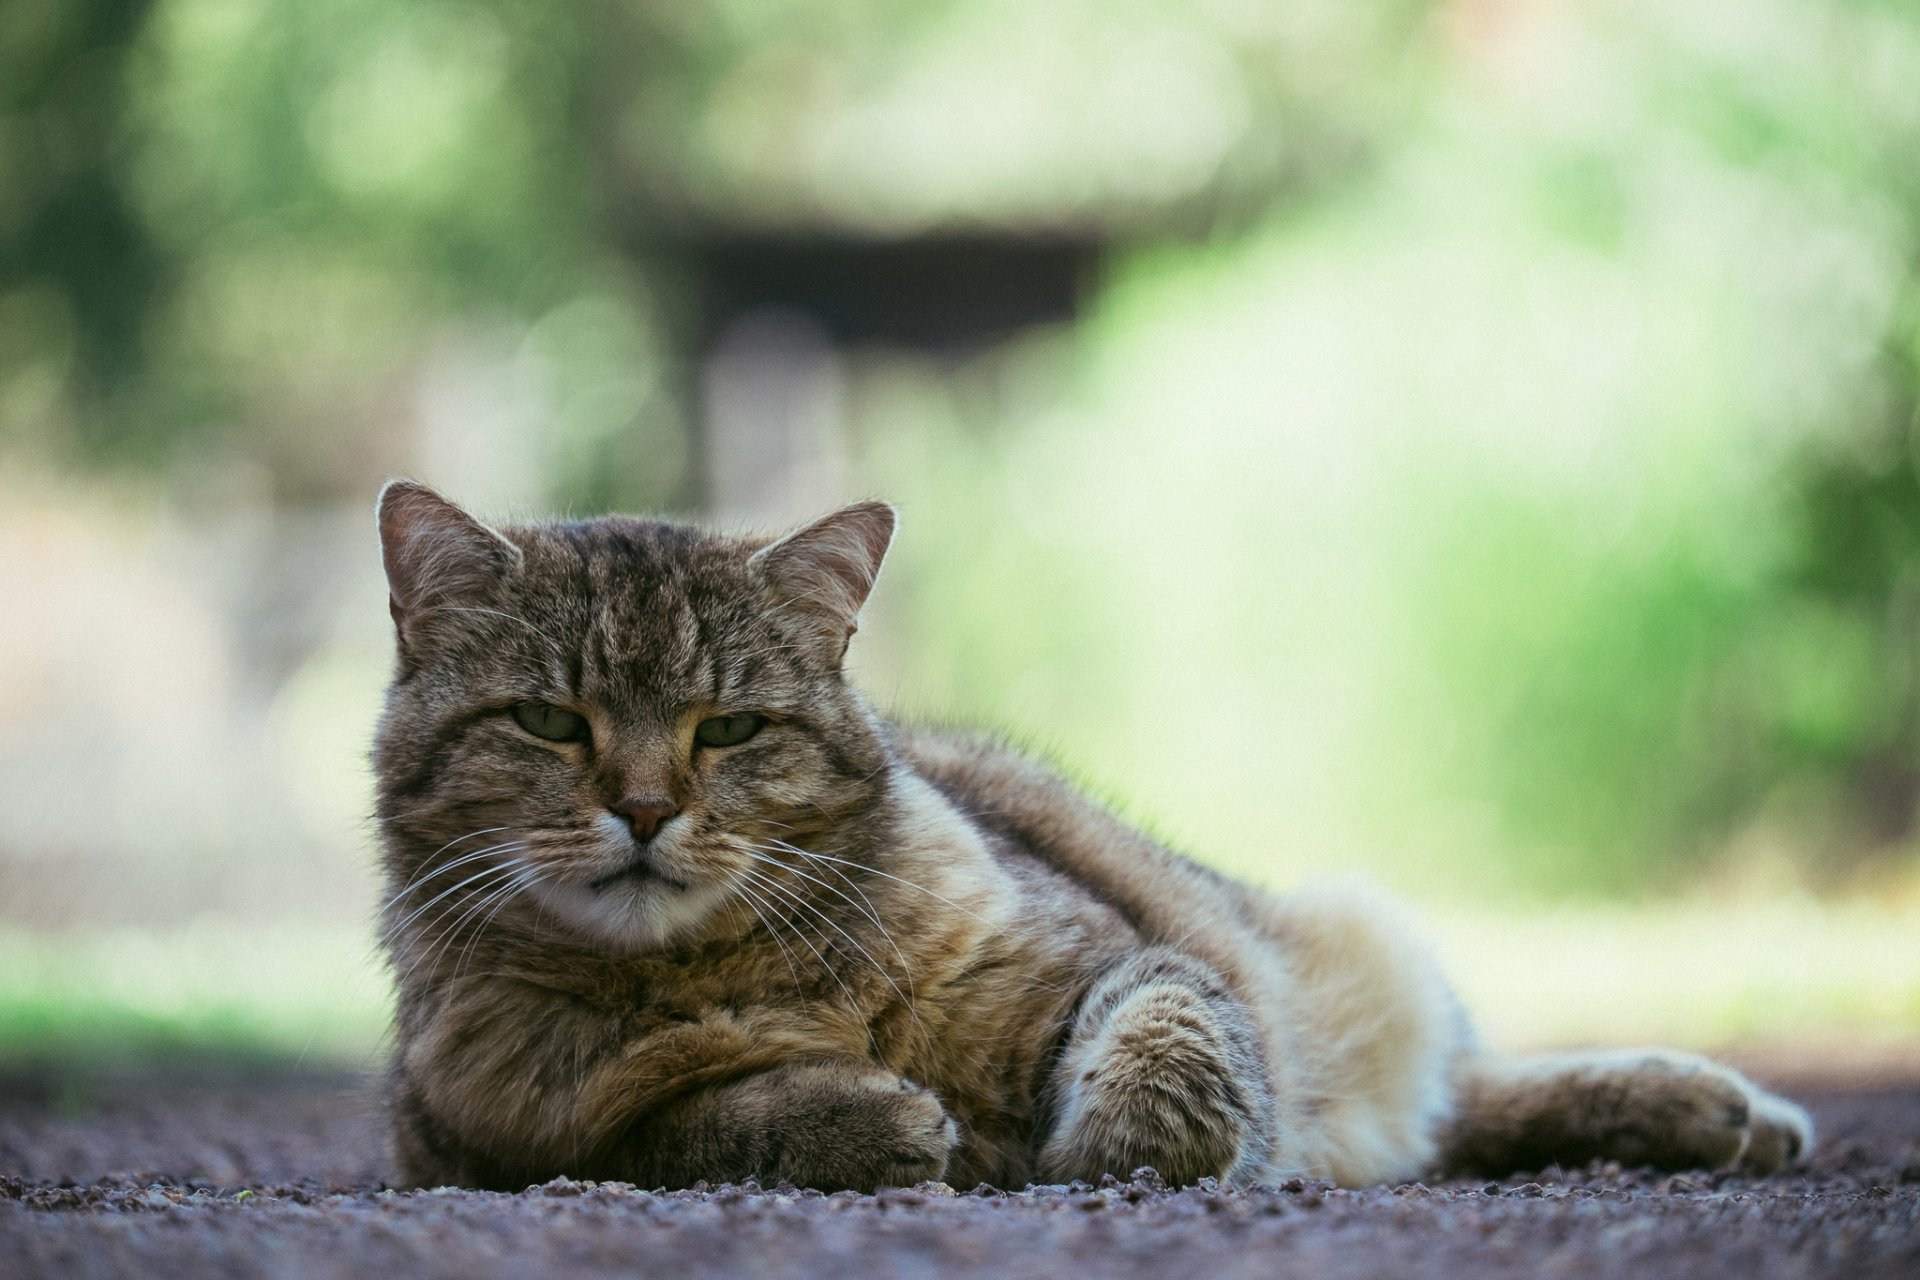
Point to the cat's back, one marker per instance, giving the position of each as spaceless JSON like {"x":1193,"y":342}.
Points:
{"x":1030,"y":811}
{"x":1342,"y":938}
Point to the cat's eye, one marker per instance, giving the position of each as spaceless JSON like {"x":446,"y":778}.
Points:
{"x":555,"y":724}
{"x":728,"y":731}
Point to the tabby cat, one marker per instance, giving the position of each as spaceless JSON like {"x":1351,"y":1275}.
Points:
{"x":668,"y":902}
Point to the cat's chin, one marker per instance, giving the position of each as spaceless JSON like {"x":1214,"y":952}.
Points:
{"x":630,"y":914}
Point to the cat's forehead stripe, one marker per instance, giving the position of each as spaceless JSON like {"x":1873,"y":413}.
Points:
{"x":656,"y":613}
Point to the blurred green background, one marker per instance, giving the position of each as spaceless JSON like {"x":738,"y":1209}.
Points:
{"x":1472,"y":443}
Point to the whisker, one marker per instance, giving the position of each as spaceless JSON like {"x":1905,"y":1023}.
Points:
{"x":515,"y":887}
{"x":457,"y":839}
{"x":861,"y":866}
{"x":767,"y":884}
{"x":773,"y":933}
{"x":872,"y":911}
{"x":476,"y":902}
{"x":871,"y":914}
{"x":769,"y":651}
{"x":393,"y":930}
{"x":823,"y":916}
{"x":905,"y":968}
{"x":827,"y":859}
{"x":425,"y":874}
{"x":496,"y":613}
{"x":427,"y":869}
{"x":800,"y":900}
{"x":866,"y":910}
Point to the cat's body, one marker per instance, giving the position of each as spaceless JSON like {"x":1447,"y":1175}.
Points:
{"x":668,"y":903}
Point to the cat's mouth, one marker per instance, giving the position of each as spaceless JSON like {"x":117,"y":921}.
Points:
{"x":639,"y":870}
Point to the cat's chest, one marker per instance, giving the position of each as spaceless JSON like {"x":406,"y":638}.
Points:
{"x":639,"y":999}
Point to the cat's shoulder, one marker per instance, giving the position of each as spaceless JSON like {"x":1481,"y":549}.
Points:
{"x":964,"y":761}
{"x":1016,"y":791}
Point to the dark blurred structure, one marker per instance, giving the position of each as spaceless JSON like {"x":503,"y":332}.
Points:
{"x":776,"y":311}
{"x":953,"y":295}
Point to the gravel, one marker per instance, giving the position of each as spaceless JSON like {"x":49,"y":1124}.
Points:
{"x":262,"y":1173}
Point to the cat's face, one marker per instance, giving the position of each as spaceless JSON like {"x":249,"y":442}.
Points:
{"x":609,"y":727}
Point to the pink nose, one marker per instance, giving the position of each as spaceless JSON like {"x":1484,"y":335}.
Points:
{"x":645,"y":813}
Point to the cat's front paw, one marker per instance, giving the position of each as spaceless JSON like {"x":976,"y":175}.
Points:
{"x":865,"y":1130}
{"x":923,"y":1137}
{"x":1160,"y":1071}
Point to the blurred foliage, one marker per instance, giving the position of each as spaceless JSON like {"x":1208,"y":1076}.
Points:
{"x":1540,"y":504}
{"x":1141,"y":114}
{"x":78,"y":266}
{"x":1497,"y":439}
{"x":217,"y":219}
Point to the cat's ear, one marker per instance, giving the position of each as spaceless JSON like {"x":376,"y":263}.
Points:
{"x":825,"y":570}
{"x":435,"y":553}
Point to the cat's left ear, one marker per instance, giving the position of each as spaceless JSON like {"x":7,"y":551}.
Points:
{"x":825,"y":570}
{"x":435,"y":555}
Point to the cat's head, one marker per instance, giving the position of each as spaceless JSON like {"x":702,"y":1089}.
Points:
{"x":605,"y":725}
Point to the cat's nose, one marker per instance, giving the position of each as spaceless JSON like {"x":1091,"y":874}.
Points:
{"x":645,"y":813}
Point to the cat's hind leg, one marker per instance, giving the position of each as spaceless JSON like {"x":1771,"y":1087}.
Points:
{"x":1653,"y":1107}
{"x":1161,"y":1068}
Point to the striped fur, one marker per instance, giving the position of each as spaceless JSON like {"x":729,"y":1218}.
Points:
{"x":857,"y":954}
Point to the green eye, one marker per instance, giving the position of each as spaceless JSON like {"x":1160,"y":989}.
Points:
{"x":555,"y":724}
{"x":728,"y":731}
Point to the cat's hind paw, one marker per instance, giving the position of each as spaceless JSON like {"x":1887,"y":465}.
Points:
{"x":1657,"y":1107}
{"x":1779,"y":1132}
{"x":1690,"y":1112}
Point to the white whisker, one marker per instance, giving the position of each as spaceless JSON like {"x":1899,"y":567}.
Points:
{"x":768,"y":885}
{"x":800,"y":901}
{"x":773,"y":933}
{"x":392,"y":931}
{"x":496,"y":613}
{"x":861,"y":866}
{"x":868,"y":911}
{"x":477,"y":901}
{"x":425,"y":874}
{"x":515,"y":887}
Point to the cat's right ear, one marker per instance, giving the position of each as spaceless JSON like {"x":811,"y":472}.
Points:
{"x":435,"y":554}
{"x":825,"y":570}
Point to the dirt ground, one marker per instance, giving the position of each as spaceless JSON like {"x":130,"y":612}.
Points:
{"x":212,"y":1171}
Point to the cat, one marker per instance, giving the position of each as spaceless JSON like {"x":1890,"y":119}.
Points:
{"x":668,"y":902}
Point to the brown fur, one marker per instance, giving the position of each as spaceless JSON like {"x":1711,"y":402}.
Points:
{"x":854,"y":954}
